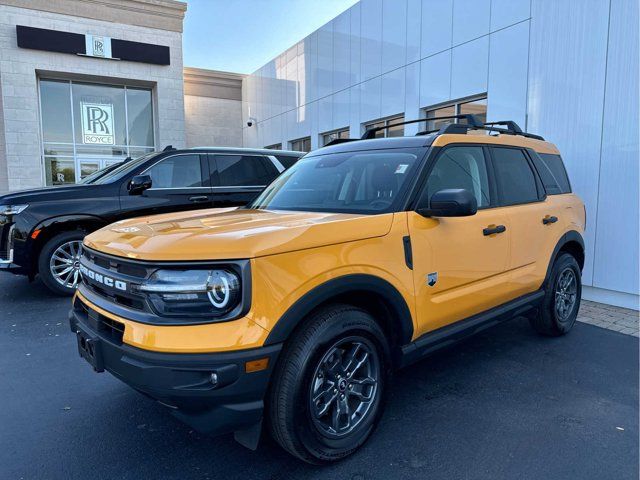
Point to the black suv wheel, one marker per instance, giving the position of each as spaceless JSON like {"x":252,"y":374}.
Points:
{"x":329,"y":387}
{"x":563,"y":292}
{"x":59,"y":262}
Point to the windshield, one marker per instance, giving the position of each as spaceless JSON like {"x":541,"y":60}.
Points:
{"x":352,"y":182}
{"x":123,"y":169}
{"x":95,"y":175}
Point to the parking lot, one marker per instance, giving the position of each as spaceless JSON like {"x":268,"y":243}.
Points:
{"x":506,"y":404}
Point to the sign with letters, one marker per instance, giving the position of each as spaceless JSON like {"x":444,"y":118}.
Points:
{"x":97,"y":46}
{"x":97,"y":123}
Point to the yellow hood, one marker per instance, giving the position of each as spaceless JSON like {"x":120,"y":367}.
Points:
{"x":220,"y":234}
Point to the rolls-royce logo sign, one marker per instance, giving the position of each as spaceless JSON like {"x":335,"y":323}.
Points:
{"x":97,"y":123}
{"x":98,"y":47}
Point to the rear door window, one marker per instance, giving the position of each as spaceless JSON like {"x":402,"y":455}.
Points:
{"x":514,"y":177}
{"x":242,"y":170}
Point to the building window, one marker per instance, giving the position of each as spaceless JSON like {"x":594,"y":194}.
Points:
{"x":275,"y":146}
{"x":301,"y":145}
{"x":88,"y":126}
{"x":476,"y":106}
{"x":336,"y":134}
{"x":388,"y":132}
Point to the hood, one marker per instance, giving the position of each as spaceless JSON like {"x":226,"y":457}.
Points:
{"x":225,"y":234}
{"x":44,"y":194}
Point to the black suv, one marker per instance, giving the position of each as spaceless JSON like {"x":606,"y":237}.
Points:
{"x":41,"y":230}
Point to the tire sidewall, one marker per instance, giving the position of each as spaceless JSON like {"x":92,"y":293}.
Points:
{"x":44,"y":259}
{"x":352,"y":323}
{"x":563,"y":262}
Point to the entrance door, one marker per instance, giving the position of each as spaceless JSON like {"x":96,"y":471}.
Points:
{"x":459,"y":264}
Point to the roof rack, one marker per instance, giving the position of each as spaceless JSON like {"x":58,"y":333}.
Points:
{"x":512,"y":129}
{"x":460,"y":128}
{"x":472,"y":122}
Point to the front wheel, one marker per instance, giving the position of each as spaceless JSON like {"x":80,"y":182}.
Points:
{"x":329,"y":387}
{"x":563,"y":292}
{"x":59,"y":262}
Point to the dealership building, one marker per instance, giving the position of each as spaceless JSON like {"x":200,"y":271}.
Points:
{"x":86,"y":84}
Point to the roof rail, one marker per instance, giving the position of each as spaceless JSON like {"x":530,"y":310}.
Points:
{"x":510,"y":124}
{"x":460,"y":128}
{"x":168,"y":148}
{"x":512,"y":129}
{"x":471,"y":120}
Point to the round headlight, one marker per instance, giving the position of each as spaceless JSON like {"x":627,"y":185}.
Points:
{"x":221,"y":286}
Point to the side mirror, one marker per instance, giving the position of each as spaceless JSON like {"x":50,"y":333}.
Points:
{"x":139,"y":184}
{"x":454,"y":202}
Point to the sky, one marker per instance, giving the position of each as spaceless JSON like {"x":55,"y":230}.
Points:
{"x":242,"y":35}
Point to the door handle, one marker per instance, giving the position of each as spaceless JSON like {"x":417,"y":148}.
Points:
{"x":549,"y":219}
{"x":491,"y":230}
{"x":199,"y":199}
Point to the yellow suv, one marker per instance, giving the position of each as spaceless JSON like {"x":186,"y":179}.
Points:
{"x":363,"y":257}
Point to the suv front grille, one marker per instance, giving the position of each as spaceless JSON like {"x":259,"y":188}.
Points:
{"x":6,"y":240}
{"x":121,"y":269}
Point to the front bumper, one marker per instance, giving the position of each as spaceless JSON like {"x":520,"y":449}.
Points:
{"x":182,"y":381}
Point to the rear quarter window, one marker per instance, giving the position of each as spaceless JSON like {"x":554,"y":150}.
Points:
{"x":552,"y":172}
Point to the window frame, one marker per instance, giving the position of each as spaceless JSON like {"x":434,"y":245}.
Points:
{"x":275,"y":146}
{"x":204,"y":172}
{"x":73,"y":155}
{"x":456,"y":104}
{"x":214,"y":173}
{"x":337,"y":131}
{"x":301,"y":139}
{"x":542,"y":194}
{"x":385,"y":123}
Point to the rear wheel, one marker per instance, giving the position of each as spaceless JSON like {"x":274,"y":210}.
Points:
{"x":59,"y":262}
{"x":328,"y":391}
{"x":563,"y":292}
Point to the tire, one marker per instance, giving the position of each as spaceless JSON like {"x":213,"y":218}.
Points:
{"x":46,"y":268}
{"x":301,"y":369}
{"x":553,"y":320}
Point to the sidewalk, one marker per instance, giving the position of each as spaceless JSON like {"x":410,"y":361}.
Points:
{"x":619,"y":319}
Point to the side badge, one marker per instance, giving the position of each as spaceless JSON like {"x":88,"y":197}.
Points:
{"x":432,"y":278}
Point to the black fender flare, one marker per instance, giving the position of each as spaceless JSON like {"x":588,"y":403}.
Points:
{"x":570,"y":236}
{"x":353,"y":283}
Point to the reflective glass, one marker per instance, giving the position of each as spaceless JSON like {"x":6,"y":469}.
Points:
{"x":140,"y":117}
{"x":55,"y":104}
{"x":60,"y":170}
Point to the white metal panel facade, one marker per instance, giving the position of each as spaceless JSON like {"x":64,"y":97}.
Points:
{"x":567,"y":70}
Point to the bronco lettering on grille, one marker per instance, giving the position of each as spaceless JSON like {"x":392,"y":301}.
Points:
{"x":103,"y":279}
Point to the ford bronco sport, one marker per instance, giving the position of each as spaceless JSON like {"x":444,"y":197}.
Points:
{"x":363,"y":257}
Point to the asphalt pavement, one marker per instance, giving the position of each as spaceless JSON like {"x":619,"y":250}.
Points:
{"x":505,"y":404}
